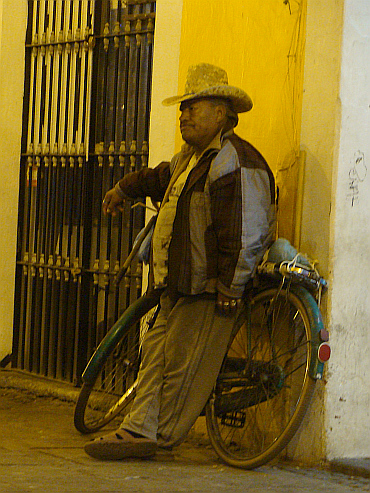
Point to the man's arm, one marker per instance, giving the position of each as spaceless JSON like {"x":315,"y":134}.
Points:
{"x":243,"y":215}
{"x":148,"y":182}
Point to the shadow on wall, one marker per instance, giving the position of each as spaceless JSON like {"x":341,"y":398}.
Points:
{"x":305,"y":206}
{"x":316,"y":210}
{"x":287,"y":183}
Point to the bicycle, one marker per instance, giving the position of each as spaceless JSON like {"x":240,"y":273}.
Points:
{"x":276,"y":353}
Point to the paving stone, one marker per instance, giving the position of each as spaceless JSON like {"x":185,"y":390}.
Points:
{"x":40,"y":451}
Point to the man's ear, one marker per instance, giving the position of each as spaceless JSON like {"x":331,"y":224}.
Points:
{"x":220,"y":112}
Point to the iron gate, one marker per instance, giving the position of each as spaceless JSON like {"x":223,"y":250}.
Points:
{"x":86,"y":124}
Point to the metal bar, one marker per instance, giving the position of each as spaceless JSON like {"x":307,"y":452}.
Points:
{"x":104,"y":93}
{"x":120,"y":106}
{"x":46,"y":281}
{"x":99,"y":297}
{"x":111,"y":238}
{"x":60,"y":328}
{"x":29,"y":255}
{"x":72,"y":303}
{"x":19,"y":301}
{"x":66,"y":318}
{"x":73,"y":279}
{"x":43,"y":86}
{"x":70,"y":204}
{"x":46,"y":248}
{"x":60,"y":278}
{"x":34,"y":363}
{"x":52,"y":346}
{"x":137,"y":85}
{"x":23,"y":271}
{"x":60,"y":199}
{"x":49,"y":61}
{"x":126,"y":140}
{"x":118,"y":292}
{"x":39,"y":187}
{"x":56,"y":84}
{"x":39,"y":81}
{"x":83,"y":336}
{"x":115,"y":88}
{"x":119,"y":138}
{"x":32,"y":93}
{"x":126,"y":79}
{"x":149,"y":84}
{"x":47,"y":315}
{"x":70,"y":86}
{"x":50,"y":215}
{"x":53,"y":264}
{"x":85,"y":329}
{"x":42,"y":259}
{"x":64,"y":90}
{"x":83,"y":81}
{"x":91,"y":14}
{"x":75,"y":79}
{"x":134,"y":143}
{"x":78,"y":211}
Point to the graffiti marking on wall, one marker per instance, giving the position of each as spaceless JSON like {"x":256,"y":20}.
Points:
{"x":356,"y":175}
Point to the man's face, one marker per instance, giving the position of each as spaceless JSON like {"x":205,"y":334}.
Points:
{"x":200,"y":122}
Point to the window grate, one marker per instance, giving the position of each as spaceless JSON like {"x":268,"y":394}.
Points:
{"x":86,"y":124}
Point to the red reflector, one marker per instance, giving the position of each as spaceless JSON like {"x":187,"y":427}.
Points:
{"x":324,"y":352}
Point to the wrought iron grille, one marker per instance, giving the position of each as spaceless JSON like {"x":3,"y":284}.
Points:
{"x":86,"y":124}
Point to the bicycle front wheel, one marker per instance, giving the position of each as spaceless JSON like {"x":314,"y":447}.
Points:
{"x":111,"y":393}
{"x":264,"y":386}
{"x":110,"y":377}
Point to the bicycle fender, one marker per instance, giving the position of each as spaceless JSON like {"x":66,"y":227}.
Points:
{"x":316,"y":366}
{"x":129,"y":317}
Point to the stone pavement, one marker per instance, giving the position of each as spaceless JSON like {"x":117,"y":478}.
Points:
{"x":40,"y":451}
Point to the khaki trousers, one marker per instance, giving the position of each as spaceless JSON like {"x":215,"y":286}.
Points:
{"x":181,"y":357}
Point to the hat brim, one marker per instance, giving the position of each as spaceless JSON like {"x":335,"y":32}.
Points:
{"x":240,"y":99}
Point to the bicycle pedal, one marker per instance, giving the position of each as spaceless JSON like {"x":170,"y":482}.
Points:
{"x":235,"y":419}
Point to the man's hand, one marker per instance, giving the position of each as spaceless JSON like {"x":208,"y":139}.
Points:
{"x":227,"y":305}
{"x":113,"y":202}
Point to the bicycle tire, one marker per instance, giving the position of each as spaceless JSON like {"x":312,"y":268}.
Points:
{"x":252,"y":418}
{"x":109,"y":380}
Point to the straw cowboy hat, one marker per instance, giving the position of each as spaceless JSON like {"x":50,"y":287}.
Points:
{"x":205,"y":80}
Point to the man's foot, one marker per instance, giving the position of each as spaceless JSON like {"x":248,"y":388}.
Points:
{"x":121,"y":445}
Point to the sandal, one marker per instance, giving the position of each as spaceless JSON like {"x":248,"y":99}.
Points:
{"x":120,"y":445}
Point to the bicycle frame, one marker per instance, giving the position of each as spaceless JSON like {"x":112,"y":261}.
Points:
{"x":134,"y":312}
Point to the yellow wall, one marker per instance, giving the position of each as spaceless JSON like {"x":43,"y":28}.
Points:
{"x":13,"y":18}
{"x":260,"y":45}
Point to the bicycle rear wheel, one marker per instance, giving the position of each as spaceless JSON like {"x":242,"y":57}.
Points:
{"x":264,"y":386}
{"x":110,"y":377}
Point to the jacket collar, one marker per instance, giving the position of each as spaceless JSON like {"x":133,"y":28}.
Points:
{"x":214,"y":145}
{"x":186,"y":154}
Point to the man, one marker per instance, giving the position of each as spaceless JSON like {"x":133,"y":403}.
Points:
{"x":216,"y":220}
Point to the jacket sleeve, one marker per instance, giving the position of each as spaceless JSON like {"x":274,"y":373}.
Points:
{"x":148,"y":182}
{"x":243,"y":216}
